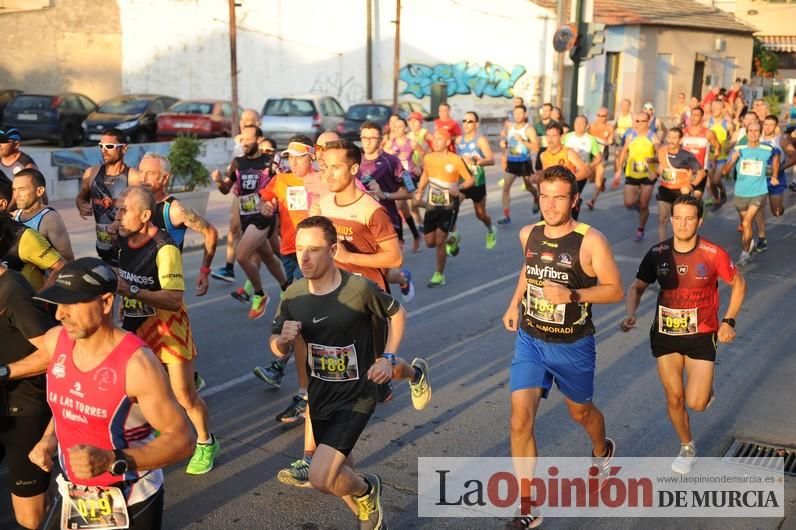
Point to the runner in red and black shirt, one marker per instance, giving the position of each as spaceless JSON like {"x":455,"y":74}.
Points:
{"x":686,"y":324}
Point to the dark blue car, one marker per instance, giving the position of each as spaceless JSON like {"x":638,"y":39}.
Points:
{"x":45,"y":117}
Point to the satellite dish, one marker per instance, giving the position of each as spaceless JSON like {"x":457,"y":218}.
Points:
{"x":564,"y":38}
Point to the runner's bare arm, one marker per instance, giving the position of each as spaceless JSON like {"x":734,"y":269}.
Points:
{"x":737,"y":293}
{"x":533,"y":139}
{"x":775,"y":163}
{"x":42,"y":452}
{"x":421,"y":185}
{"x":52,"y":272}
{"x":597,"y":256}
{"x":581,"y":169}
{"x":511,"y":315}
{"x":620,"y":160}
{"x":83,"y":199}
{"x":34,"y":363}
{"x":465,"y":175}
{"x":167,"y":299}
{"x":53,"y":228}
{"x":714,"y":143}
{"x":731,"y":161}
{"x":790,"y":152}
{"x":700,"y":176}
{"x":386,"y":257}
{"x":224,"y":184}
{"x":184,"y":215}
{"x":663,"y":153}
{"x":632,"y":301}
{"x":489,"y":156}
{"x":395,"y":331}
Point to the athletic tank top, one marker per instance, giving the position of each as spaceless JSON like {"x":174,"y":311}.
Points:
{"x":584,"y":146}
{"x":776,"y":144}
{"x":405,"y":154}
{"x":556,"y":260}
{"x":104,"y":192}
{"x":35,"y":221}
{"x":17,"y":165}
{"x":677,"y":173}
{"x":162,"y":220}
{"x":561,"y":158}
{"x":698,"y":145}
{"x":93,"y":408}
{"x":420,"y":138}
{"x":639,"y":150}
{"x":517,"y":150}
{"x":470,"y":148}
{"x":624,"y":123}
{"x":251,"y":176}
{"x":721,"y":130}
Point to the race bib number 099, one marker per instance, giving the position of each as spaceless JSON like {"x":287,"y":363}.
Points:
{"x":92,"y":507}
{"x":333,"y":363}
{"x":677,"y":321}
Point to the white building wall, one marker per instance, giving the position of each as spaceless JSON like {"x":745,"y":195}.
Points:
{"x":181,"y":48}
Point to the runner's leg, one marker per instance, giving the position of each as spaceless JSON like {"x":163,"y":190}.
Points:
{"x":181,"y":378}
{"x":670,"y":371}
{"x":508,"y":180}
{"x":699,"y":388}
{"x":664,"y":213}
{"x":592,"y":420}
{"x":645,"y":194}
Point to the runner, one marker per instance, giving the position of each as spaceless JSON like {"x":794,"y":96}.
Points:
{"x":445,"y":121}
{"x":685,"y":325}
{"x":405,"y":148}
{"x":476,"y":152}
{"x":247,"y":176}
{"x":556,"y":116}
{"x":656,"y":125}
{"x":699,"y":140}
{"x":94,"y":365}
{"x":722,"y":128}
{"x":12,"y":160}
{"x":100,"y":187}
{"x":442,"y":171}
{"x":623,"y":121}
{"x":333,"y":312}
{"x":776,"y":194}
{"x":680,"y":173}
{"x":789,"y":116}
{"x":248,"y":118}
{"x":540,"y":127}
{"x":29,"y":189}
{"x":568,"y":267}
{"x":151,"y":284}
{"x":751,"y":163}
{"x":679,"y":110}
{"x":519,"y":147}
{"x":603,"y":132}
{"x":638,"y":157}
{"x":589,"y":153}
{"x":558,"y":155}
{"x":23,"y":402}
{"x":424,"y":140}
{"x":382,"y":175}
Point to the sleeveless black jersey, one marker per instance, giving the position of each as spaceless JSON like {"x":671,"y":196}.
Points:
{"x":557,"y":260}
{"x":162,"y":219}
{"x":104,"y":192}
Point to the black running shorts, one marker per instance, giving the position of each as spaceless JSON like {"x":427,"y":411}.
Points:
{"x":18,"y":435}
{"x":701,"y":346}
{"x":521,"y":169}
{"x":476,"y":193}
{"x":340,"y":431}
{"x":259,"y":221}
{"x":438,"y":219}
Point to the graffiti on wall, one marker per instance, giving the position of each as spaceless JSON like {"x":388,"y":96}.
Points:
{"x":490,"y":80}
{"x":347,"y":91}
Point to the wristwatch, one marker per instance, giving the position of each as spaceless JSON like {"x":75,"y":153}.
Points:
{"x":391,"y":358}
{"x":574,"y":296}
{"x":134,"y":291}
{"x":5,"y":373}
{"x":119,"y":465}
{"x":730,"y":321}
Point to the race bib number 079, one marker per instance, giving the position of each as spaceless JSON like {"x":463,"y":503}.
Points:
{"x":92,"y":507}
{"x":333,"y":363}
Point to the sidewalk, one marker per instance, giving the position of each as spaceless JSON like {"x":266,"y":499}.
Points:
{"x":83,"y":235}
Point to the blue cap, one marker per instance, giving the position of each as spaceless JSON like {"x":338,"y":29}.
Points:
{"x":11,"y":135}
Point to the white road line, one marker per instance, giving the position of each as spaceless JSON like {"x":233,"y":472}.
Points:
{"x":206,"y":301}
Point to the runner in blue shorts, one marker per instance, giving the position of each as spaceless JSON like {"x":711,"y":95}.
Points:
{"x":776,"y":193}
{"x":568,"y":267}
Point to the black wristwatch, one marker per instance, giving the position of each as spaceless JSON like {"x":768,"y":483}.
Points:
{"x":730,"y":321}
{"x":134,"y":291}
{"x":119,"y":465}
{"x":574,"y":296}
{"x":5,"y":373}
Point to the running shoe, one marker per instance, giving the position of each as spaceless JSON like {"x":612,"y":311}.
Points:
{"x":708,"y":201}
{"x":259,"y":305}
{"x":384,"y":392}
{"x":408,"y":288}
{"x":296,"y":474}
{"x":421,"y":390}
{"x":243,"y":294}
{"x":272,"y":375}
{"x":743,"y":259}
{"x":295,"y":411}
{"x":603,"y":463}
{"x":792,"y":186}
{"x":752,"y":246}
{"x":521,"y":522}
{"x":685,"y":460}
{"x":437,"y":280}
{"x":639,"y":237}
{"x":762,"y":245}
{"x":491,"y":238}
{"x":225,"y":274}
{"x":452,"y":245}
{"x":198,"y":382}
{"x":501,"y":182}
{"x":203,"y":457}
{"x":369,"y":506}
{"x":504,"y":220}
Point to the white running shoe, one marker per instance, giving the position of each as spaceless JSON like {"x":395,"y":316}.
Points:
{"x":685,"y":460}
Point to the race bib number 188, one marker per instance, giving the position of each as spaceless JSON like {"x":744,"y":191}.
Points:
{"x":333,"y":363}
{"x":92,"y":507}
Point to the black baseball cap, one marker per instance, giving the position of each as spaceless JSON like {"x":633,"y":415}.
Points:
{"x":80,"y":281}
{"x":11,"y":135}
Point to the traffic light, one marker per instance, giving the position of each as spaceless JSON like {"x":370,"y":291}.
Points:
{"x":596,"y":37}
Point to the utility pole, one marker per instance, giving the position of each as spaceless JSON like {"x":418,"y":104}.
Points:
{"x":560,"y":60}
{"x":369,"y":49}
{"x":577,"y":56}
{"x":233,"y":62}
{"x":397,"y":61}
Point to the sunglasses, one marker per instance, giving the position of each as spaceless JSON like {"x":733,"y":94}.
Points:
{"x":110,"y":147}
{"x":642,"y":121}
{"x":602,"y":115}
{"x":468,"y":121}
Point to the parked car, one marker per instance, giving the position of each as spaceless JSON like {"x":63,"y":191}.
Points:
{"x":45,"y":117}
{"x":205,"y":118}
{"x":359,"y":114}
{"x":309,"y":115}
{"x":135,"y":114}
{"x":6,"y":96}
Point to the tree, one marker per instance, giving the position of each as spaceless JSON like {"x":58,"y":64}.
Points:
{"x":764,"y":62}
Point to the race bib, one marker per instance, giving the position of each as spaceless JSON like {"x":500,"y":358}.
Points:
{"x":669,"y":176}
{"x":677,"y":321}
{"x":249,"y":203}
{"x":540,"y":309}
{"x":297,"y":198}
{"x":752,"y":168}
{"x":104,"y":241}
{"x":438,"y":196}
{"x":333,"y":363}
{"x":640,"y":166}
{"x":92,"y":507}
{"x":136,"y":309}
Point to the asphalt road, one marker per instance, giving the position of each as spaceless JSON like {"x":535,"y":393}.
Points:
{"x":458,"y":329}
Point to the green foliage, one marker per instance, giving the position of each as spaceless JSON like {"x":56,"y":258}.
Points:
{"x":773,"y":101}
{"x":187,"y":173}
{"x":764,"y":62}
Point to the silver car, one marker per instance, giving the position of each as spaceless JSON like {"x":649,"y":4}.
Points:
{"x":309,"y":115}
